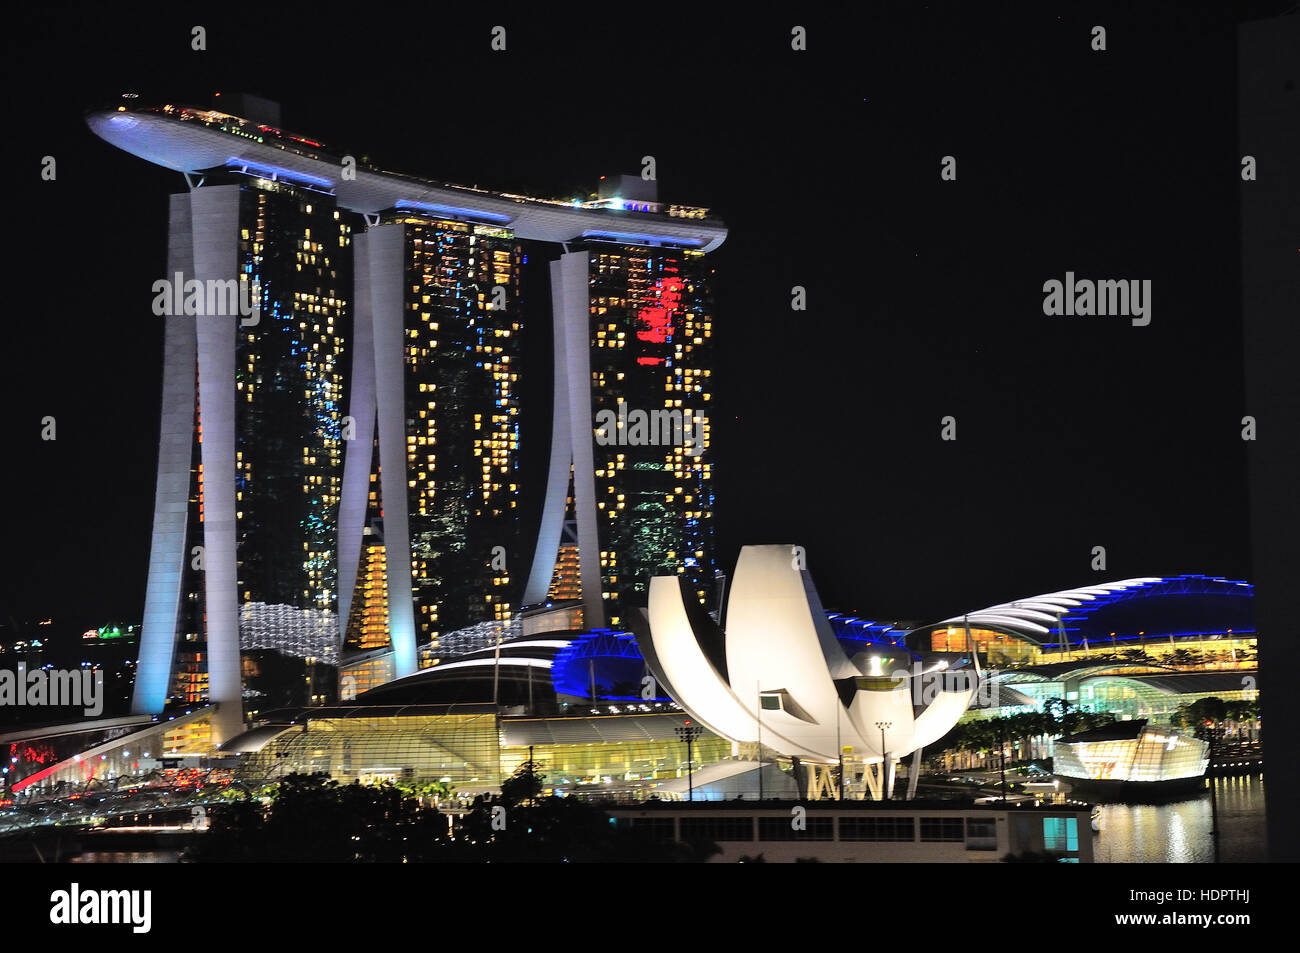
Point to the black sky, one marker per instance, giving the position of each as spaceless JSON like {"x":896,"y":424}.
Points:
{"x":925,"y":297}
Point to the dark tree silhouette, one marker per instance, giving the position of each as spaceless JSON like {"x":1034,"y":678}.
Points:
{"x":315,"y":820}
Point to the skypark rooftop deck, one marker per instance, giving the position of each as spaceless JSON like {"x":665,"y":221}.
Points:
{"x":193,"y":141}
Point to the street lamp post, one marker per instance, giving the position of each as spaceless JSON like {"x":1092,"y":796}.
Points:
{"x":1002,"y":756}
{"x":688,"y":732}
{"x":884,"y":760}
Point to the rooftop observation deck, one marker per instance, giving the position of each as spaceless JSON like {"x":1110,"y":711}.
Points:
{"x":194,"y":141}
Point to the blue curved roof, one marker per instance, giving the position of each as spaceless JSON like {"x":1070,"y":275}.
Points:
{"x":1131,"y":610}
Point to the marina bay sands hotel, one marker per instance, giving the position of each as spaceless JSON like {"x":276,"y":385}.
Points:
{"x":339,"y":465}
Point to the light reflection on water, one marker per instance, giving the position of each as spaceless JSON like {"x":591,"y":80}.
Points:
{"x":1179,"y":832}
{"x":126,"y":857}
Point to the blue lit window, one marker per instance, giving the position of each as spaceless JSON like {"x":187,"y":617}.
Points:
{"x":1061,"y":833}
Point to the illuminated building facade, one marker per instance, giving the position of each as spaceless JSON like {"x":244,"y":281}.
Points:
{"x":1137,"y":649}
{"x":367,"y":625}
{"x":1130,"y":756}
{"x":457,"y":744}
{"x":566,"y":585}
{"x":637,"y":323}
{"x":289,"y":384}
{"x":250,"y":472}
{"x":435,"y":386}
{"x":361,"y":671}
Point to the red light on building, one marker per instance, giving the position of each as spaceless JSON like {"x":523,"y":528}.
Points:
{"x":655,"y":323}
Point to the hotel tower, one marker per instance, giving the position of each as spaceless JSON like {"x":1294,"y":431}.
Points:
{"x":341,"y":468}
{"x":633,"y":332}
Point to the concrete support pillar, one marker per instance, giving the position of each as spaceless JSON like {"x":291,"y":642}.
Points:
{"x":168,"y":552}
{"x":557,"y":477}
{"x":214,"y":221}
{"x":383,"y":251}
{"x":359,"y":451}
{"x":572,"y":435}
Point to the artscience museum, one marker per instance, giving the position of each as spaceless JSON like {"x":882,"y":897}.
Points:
{"x":777,"y":683}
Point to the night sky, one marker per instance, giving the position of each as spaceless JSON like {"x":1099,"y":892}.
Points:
{"x":924,"y":296}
